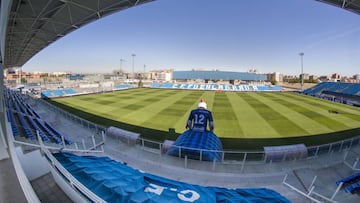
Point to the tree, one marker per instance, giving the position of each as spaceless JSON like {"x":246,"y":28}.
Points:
{"x":140,"y":84}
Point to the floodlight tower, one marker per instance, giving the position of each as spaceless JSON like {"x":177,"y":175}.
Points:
{"x":302,"y":71}
{"x":121,"y":61}
{"x":133,"y":58}
{"x":144,"y":71}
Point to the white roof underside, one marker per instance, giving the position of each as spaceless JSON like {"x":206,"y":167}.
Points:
{"x":34,"y":24}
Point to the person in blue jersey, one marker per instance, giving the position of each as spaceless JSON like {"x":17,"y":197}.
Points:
{"x":199,"y":118}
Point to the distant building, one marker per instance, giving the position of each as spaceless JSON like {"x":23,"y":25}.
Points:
{"x":324,"y":78}
{"x":160,"y":75}
{"x":336,"y":76}
{"x":357,"y":77}
{"x":276,"y":76}
{"x":306,"y":76}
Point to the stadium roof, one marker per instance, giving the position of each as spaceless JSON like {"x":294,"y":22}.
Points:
{"x":33,"y":25}
{"x":28,"y":26}
{"x":350,"y":5}
{"x":218,"y":75}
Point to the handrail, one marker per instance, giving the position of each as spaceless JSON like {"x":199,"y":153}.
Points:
{"x":23,"y":180}
{"x":71,"y":179}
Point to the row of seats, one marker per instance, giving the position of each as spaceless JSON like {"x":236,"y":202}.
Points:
{"x":37,"y":128}
{"x":116,"y":182}
{"x":122,"y":86}
{"x":10,"y":116}
{"x":29,"y":133}
{"x":32,"y":122}
{"x":14,"y":127}
{"x":24,"y":107}
{"x":56,"y":132}
{"x":57,"y":93}
{"x":337,"y":87}
{"x":352,"y":182}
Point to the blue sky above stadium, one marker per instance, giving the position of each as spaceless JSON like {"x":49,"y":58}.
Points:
{"x":229,"y":35}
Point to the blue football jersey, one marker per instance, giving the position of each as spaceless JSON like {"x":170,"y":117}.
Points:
{"x":199,"y":119}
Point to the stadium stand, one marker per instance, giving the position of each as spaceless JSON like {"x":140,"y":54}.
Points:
{"x":338,"y":87}
{"x":122,"y":86}
{"x":46,"y":94}
{"x":32,"y":122}
{"x":52,"y":135}
{"x":58,"y":93}
{"x":69,"y":91}
{"x":26,"y":127}
{"x":38,"y":129}
{"x":52,"y":130}
{"x":14,"y":127}
{"x":346,"y":93}
{"x":218,"y":87}
{"x":116,"y":182}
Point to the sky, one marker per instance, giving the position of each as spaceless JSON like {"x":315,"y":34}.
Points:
{"x":228,"y":35}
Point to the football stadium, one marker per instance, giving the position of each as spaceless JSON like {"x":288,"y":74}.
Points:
{"x":189,"y":140}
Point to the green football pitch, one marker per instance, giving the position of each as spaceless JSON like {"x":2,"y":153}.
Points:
{"x":237,"y":115}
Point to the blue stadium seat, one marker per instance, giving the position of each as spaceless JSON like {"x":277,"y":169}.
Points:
{"x":100,"y":177}
{"x":122,"y":86}
{"x":58,"y":93}
{"x":47,"y":93}
{"x":69,"y":91}
{"x":155,"y":85}
{"x":37,"y":128}
{"x":348,"y":179}
{"x":353,"y":187}
{"x":195,"y":145}
{"x":26,"y":127}
{"x":56,"y":132}
{"x":48,"y":131}
{"x":337,"y":87}
{"x":13,"y":124}
{"x":353,"y":89}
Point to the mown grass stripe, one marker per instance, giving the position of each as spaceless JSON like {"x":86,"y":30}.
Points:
{"x":170,"y":112}
{"x":314,"y":122}
{"x":349,"y":120}
{"x":279,"y":122}
{"x":226,"y":120}
{"x":349,"y":111}
{"x":250,"y":121}
{"x":131,"y":105}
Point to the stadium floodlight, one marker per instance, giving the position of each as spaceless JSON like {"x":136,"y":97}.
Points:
{"x":302,"y":71}
{"x":121,"y":61}
{"x":133,"y":58}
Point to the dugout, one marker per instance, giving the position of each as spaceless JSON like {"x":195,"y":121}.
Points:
{"x":285,"y":152}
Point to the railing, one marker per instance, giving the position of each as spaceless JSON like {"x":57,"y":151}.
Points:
{"x":71,"y":180}
{"x":233,"y":155}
